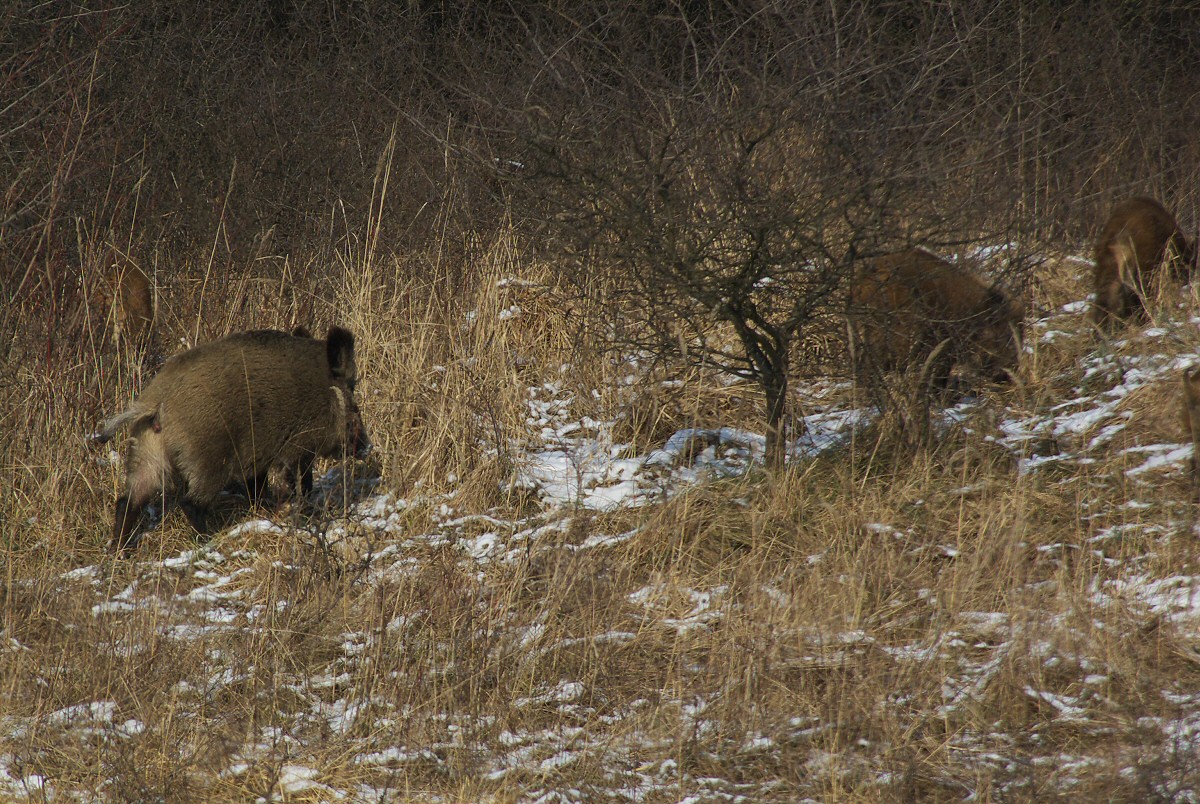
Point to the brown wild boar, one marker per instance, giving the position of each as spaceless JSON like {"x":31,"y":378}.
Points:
{"x":229,"y":411}
{"x":1139,"y":243}
{"x":125,"y":295}
{"x":913,"y":308}
{"x":1189,"y":414}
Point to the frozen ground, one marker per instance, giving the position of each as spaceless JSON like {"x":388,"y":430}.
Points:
{"x":577,"y":466}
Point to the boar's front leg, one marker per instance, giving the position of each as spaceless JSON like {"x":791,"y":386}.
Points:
{"x":256,"y":488}
{"x":197,"y":515}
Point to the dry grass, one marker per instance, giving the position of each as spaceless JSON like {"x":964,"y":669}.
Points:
{"x":872,"y":625}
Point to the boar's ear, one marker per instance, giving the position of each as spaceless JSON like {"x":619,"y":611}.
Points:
{"x":339,"y":347}
{"x":301,"y":331}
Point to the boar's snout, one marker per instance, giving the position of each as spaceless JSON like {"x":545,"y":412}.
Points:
{"x":358,"y":441}
{"x":339,"y":345}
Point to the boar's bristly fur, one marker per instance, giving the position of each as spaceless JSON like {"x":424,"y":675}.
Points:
{"x":230,"y":410}
{"x":914,"y":308}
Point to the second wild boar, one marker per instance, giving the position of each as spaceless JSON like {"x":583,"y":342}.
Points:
{"x":912,"y":308}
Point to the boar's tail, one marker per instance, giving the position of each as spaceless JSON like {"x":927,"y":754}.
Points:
{"x":111,"y":426}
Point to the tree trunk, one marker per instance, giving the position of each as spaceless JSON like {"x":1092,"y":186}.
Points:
{"x":775,"y":388}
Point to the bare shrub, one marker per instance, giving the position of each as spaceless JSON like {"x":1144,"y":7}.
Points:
{"x":718,"y":215}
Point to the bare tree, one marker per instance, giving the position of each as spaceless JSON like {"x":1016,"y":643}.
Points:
{"x":716,"y":204}
{"x":705,"y":239}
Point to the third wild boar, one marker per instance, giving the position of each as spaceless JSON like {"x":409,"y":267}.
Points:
{"x":1140,"y":242}
{"x":230,"y":410}
{"x":913,"y":308}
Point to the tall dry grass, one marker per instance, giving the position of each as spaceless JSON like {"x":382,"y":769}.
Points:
{"x":898,"y":627}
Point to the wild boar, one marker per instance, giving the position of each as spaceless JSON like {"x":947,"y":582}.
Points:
{"x":1189,"y":415}
{"x":230,"y":410}
{"x":914,"y":308}
{"x":1140,"y":242}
